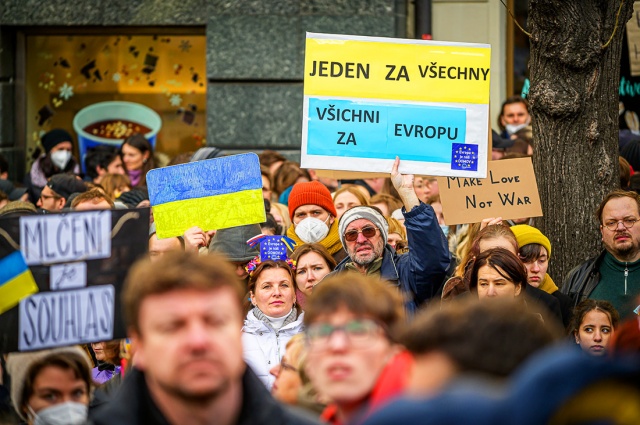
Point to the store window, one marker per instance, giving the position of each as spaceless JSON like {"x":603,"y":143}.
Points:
{"x":518,"y":48}
{"x":102,"y":88}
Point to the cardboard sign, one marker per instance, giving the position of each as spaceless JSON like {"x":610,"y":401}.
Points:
{"x":370,"y":99}
{"x":509,"y":191}
{"x":79,"y":261}
{"x":633,"y":40}
{"x":212,"y":194}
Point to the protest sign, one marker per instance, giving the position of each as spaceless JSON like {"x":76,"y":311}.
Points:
{"x":509,"y":191}
{"x":211,"y":194}
{"x":370,"y":99}
{"x":16,"y":281}
{"x":273,"y":247}
{"x":633,"y":40}
{"x":78,"y":262}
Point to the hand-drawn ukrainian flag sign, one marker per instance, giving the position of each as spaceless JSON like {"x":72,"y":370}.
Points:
{"x":16,"y":281}
{"x":370,"y":99}
{"x":212,"y":194}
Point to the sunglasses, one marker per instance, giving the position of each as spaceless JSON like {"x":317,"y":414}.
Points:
{"x":368,"y":232}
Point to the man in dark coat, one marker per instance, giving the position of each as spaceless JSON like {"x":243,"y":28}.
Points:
{"x":418,"y":273}
{"x":185,"y":318}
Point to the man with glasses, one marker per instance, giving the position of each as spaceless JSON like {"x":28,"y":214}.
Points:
{"x":420,"y":272}
{"x":57,"y":191}
{"x":352,"y":357}
{"x":614,"y":275}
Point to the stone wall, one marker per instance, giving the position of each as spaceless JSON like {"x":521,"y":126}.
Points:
{"x":255,"y":54}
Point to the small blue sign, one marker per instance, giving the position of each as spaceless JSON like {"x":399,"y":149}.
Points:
{"x":464,"y":157}
{"x":272,"y":248}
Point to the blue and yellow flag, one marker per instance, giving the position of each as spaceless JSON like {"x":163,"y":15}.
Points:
{"x":16,"y":281}
{"x":211,"y":194}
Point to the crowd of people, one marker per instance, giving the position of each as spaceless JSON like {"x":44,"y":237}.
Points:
{"x":379,"y":311}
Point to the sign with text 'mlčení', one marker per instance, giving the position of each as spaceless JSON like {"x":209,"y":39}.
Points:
{"x":71,"y":267}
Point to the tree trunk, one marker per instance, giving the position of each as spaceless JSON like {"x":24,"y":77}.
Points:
{"x":574,"y":107}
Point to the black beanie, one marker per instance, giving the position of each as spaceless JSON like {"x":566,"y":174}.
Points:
{"x":631,"y":152}
{"x":53,"y":138}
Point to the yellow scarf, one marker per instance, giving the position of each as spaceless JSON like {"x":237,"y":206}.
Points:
{"x":547,"y":284}
{"x":331,"y":241}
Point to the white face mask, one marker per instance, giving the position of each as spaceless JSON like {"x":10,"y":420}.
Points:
{"x":61,"y":158}
{"x":514,"y":128}
{"x":69,"y":413}
{"x":311,"y":230}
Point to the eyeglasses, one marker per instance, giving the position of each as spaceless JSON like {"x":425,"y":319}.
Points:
{"x":45,"y":197}
{"x":359,"y":333}
{"x":627,"y":222}
{"x":368,"y":232}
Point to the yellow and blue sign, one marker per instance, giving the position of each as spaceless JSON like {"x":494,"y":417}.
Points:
{"x":212,"y":194}
{"x":16,"y":281}
{"x":372,"y":99}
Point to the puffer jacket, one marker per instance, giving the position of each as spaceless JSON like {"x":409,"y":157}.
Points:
{"x":263,"y":347}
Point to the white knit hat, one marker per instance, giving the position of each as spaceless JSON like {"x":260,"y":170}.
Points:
{"x":19,"y":365}
{"x":367,"y":213}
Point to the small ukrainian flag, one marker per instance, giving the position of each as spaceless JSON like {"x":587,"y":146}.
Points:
{"x":16,"y":281}
{"x":211,"y":194}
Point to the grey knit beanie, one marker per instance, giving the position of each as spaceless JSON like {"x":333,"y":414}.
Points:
{"x":365,"y":212}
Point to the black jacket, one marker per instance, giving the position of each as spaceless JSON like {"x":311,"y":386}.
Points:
{"x":566,"y":307}
{"x":133,"y":405}
{"x":583,"y":279}
{"x":550,"y":303}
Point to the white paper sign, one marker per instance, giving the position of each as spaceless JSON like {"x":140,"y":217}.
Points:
{"x":53,"y":319}
{"x":368,"y":100}
{"x":68,"y":276}
{"x":59,"y":238}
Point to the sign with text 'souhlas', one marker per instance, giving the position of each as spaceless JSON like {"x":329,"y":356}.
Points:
{"x":370,"y":99}
{"x":510,"y":191}
{"x":79,"y":261}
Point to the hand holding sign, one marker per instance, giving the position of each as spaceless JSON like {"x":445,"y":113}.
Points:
{"x":194,"y":238}
{"x":403,"y":183}
{"x":490,"y":221}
